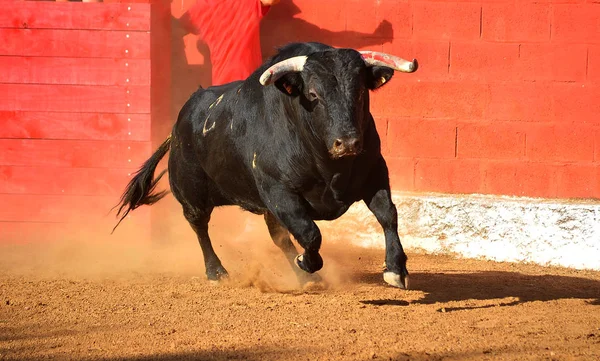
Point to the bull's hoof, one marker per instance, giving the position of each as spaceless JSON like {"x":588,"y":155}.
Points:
{"x":396,"y":280}
{"x":309,"y":264}
{"x":217,"y":275}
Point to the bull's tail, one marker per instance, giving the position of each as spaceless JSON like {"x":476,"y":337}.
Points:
{"x":141,"y":188}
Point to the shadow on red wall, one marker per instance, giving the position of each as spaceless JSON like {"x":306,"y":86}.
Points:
{"x":283,"y":24}
{"x":186,"y":76}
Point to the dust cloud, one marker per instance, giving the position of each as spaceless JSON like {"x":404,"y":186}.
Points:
{"x":240,"y":239}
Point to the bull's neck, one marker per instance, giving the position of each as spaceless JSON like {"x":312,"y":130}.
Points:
{"x":300,"y":125}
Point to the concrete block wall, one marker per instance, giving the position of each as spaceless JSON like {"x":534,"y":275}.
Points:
{"x":506,"y":100}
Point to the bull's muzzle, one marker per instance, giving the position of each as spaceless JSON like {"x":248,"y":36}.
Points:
{"x":343,"y":147}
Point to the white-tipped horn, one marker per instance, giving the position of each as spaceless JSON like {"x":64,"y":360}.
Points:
{"x":374,"y":58}
{"x":276,"y":71}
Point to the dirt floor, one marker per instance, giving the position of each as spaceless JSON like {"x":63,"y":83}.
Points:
{"x":106,"y":301}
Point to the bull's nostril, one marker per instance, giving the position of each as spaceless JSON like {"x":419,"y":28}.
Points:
{"x":354,"y":144}
{"x":338,"y":144}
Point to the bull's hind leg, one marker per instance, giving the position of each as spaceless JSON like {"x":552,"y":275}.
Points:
{"x":379,"y":200}
{"x":199,"y":219}
{"x":281,"y":237}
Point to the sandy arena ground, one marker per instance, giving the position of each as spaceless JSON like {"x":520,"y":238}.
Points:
{"x":108,"y":301}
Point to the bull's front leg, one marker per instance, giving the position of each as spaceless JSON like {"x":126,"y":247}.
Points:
{"x":291,"y":212}
{"x":379,"y":200}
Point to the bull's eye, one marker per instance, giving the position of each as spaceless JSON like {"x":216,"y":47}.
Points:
{"x":312,"y":95}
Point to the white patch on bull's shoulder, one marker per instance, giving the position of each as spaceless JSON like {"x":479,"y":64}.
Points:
{"x":237,"y":98}
{"x":254,"y":161}
{"x":206,"y":130}
{"x":214,"y":104}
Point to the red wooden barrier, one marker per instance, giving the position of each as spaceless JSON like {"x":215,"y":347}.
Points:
{"x":75,"y":116}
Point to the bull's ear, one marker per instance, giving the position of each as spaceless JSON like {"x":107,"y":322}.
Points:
{"x":290,"y":84}
{"x":377,"y":76}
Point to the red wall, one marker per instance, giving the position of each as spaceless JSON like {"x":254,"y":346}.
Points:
{"x":506,"y":99}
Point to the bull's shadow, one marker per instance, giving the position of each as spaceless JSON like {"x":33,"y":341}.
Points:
{"x":254,"y":354}
{"x":495,"y":285}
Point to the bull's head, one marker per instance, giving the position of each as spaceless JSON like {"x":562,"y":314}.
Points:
{"x":333,"y":86}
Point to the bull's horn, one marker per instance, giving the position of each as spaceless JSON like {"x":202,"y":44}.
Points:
{"x":374,"y":58}
{"x":276,"y":71}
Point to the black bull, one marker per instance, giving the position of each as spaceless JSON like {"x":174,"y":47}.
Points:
{"x":295,"y":142}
